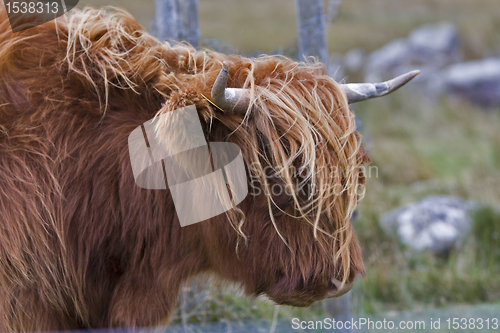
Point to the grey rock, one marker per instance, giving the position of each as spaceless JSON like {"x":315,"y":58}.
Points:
{"x":385,"y":59}
{"x":436,"y":43}
{"x":435,"y":50}
{"x":430,"y":46}
{"x":354,"y":59}
{"x":477,"y":81}
{"x":435,"y":222}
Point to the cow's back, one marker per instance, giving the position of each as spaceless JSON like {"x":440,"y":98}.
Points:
{"x":64,"y":169}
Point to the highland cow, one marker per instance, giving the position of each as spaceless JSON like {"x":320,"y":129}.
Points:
{"x":82,"y":246}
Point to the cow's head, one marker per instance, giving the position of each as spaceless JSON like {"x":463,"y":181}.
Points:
{"x":292,"y":237}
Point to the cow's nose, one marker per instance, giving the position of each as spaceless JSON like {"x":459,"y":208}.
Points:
{"x":339,"y":289}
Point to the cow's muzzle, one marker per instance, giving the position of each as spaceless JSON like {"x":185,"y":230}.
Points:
{"x":338,"y":289}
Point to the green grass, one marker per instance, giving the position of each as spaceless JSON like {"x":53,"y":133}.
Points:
{"x":485,"y":238}
{"x":206,"y":303}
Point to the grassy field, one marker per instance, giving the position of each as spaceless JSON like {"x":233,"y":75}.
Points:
{"x":418,"y":148}
{"x":262,"y":25}
{"x":478,"y":318}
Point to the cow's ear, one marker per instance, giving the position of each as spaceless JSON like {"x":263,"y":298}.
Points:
{"x":182,"y":98}
{"x":186,"y":97}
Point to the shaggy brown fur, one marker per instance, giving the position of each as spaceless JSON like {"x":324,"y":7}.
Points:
{"x":82,"y":246}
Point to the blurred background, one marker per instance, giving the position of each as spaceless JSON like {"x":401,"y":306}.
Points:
{"x":429,"y":224}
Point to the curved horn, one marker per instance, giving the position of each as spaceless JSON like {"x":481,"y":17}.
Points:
{"x":357,"y":92}
{"x":234,"y":99}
